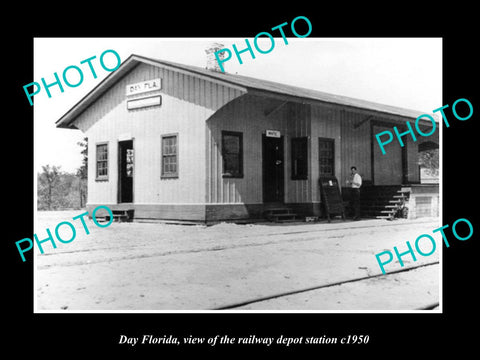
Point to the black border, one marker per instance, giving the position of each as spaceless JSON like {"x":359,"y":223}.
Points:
{"x":63,"y":335}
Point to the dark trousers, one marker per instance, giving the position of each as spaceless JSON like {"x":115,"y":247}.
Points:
{"x":356,"y":202}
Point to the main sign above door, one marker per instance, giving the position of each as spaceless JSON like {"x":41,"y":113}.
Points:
{"x":143,"y":87}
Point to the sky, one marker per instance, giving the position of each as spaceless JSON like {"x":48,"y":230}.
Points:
{"x":403,"y":72}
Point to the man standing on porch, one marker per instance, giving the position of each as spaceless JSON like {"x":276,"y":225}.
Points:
{"x":356,"y":183}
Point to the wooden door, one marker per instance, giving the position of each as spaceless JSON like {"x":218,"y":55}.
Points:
{"x":125,"y":171}
{"x":273,"y":169}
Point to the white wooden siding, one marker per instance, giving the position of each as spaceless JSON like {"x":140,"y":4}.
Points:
{"x":326,"y":123}
{"x":251,"y":115}
{"x":186,"y":103}
{"x":355,"y":145}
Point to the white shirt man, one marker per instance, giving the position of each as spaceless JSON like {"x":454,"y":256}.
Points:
{"x":355,"y":183}
{"x":356,"y":180}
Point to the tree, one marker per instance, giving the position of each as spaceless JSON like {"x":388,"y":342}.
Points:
{"x":82,"y":172}
{"x":61,"y":190}
{"x":58,"y":190}
{"x":429,"y":160}
{"x":48,"y":180}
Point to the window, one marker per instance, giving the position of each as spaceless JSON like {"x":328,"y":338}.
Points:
{"x":300,"y":158}
{"x":428,"y":161}
{"x":102,"y":162}
{"x":232,"y":154}
{"x":169,"y":156}
{"x":326,"y":158}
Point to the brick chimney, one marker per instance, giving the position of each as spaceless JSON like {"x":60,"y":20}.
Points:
{"x":212,"y":63}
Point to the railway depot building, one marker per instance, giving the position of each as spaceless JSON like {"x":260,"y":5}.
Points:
{"x":177,"y":142}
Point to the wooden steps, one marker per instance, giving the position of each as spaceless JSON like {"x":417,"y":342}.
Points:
{"x":122,"y":215}
{"x":280,"y":214}
{"x":394,"y":205}
{"x":383,"y":202}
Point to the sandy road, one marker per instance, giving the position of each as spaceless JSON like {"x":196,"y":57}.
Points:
{"x":144,"y":266}
{"x":355,"y":294}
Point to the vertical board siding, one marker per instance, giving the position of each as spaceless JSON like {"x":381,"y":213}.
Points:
{"x":355,"y":145}
{"x":198,"y":110}
{"x":388,"y":168}
{"x":326,"y":123}
{"x":187,"y":102}
{"x":247,"y":114}
{"x":413,"y":157}
{"x":298,"y":125}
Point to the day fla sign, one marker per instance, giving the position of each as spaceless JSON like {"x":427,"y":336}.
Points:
{"x":144,"y":87}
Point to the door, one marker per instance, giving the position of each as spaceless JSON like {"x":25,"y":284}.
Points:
{"x":125,"y":171}
{"x":388,"y":168}
{"x":273,"y":169}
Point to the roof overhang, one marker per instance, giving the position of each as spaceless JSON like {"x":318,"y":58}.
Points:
{"x":68,"y":119}
{"x":245,"y":84}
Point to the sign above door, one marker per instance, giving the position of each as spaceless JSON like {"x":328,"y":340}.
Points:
{"x":272,"y":133}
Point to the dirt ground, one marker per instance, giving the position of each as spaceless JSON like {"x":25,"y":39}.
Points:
{"x":155,"y":266}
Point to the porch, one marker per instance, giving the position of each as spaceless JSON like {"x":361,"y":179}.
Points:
{"x":409,"y":201}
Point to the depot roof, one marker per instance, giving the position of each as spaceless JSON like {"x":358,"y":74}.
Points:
{"x":244,"y":83}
